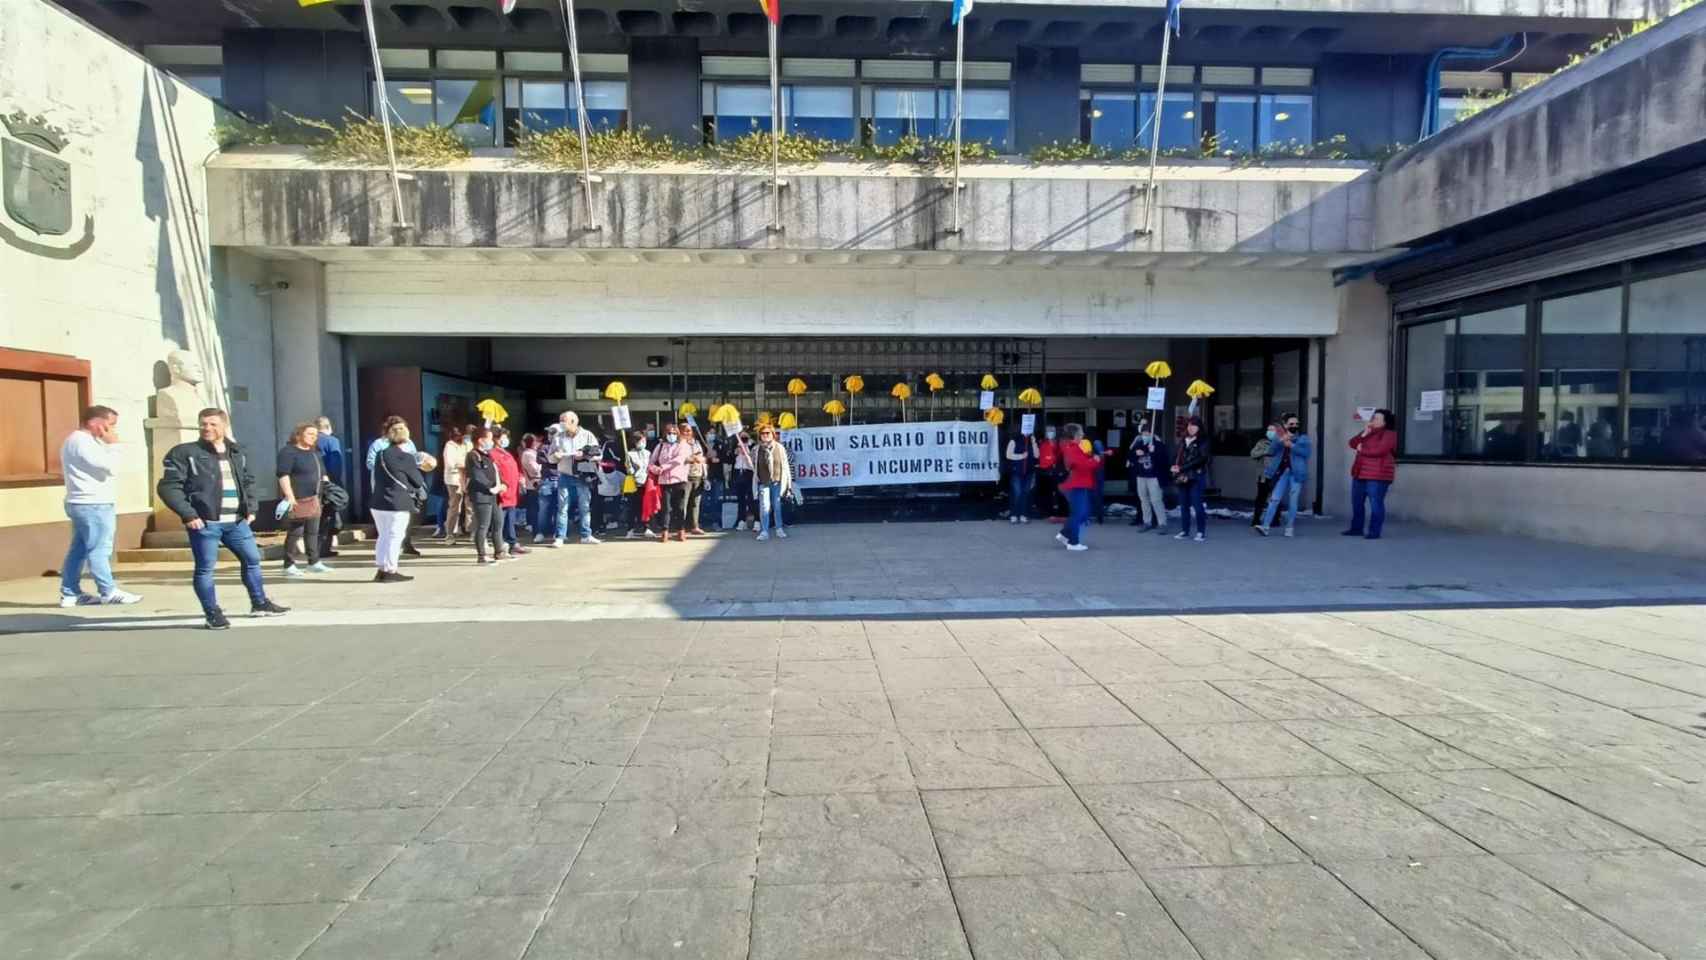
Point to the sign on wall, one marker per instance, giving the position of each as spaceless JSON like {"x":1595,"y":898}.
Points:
{"x":894,"y":453}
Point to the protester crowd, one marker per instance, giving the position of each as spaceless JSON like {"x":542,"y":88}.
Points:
{"x":501,"y":492}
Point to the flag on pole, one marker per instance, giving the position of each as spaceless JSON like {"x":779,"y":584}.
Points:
{"x":772,"y":9}
{"x":962,"y":9}
{"x":1172,"y":14}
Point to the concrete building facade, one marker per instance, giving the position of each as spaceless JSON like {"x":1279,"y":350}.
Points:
{"x":1288,"y":283}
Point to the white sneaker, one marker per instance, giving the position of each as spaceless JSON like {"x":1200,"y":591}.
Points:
{"x":1023,"y":518}
{"x":590,"y":541}
{"x":763,"y":536}
{"x":1075,"y":547}
{"x":319,"y":567}
{"x":1013,"y":519}
{"x":633,"y":535}
{"x":294,"y":572}
{"x":1060,"y":538}
{"x":1289,"y":531}
{"x":539,"y":538}
{"x":1199,"y":538}
{"x":782,"y":533}
{"x":80,"y":600}
{"x":120,"y":598}
{"x":554,"y":544}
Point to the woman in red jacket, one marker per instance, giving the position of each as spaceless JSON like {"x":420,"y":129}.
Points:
{"x":1372,"y":473}
{"x":509,"y":474}
{"x":1081,"y":472}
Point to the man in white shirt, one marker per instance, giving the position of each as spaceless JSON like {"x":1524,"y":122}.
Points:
{"x":576,"y":453}
{"x":89,"y":459}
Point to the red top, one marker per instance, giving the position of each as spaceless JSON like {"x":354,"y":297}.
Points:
{"x":1375,"y":456}
{"x":509,"y":474}
{"x":1048,"y":454}
{"x":1080,"y":466}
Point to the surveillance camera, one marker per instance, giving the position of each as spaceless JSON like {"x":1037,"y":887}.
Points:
{"x":279,"y":283}
{"x":272,"y":286}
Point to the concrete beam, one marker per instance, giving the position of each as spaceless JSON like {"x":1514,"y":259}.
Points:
{"x":278,"y":200}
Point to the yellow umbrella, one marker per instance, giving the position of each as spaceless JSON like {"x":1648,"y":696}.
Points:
{"x":1030,"y":396}
{"x":1158,"y":370}
{"x":1197,"y":391}
{"x":1086,"y":446}
{"x":989,"y":382}
{"x":900,"y":392}
{"x":994,"y":416}
{"x":688,"y":408}
{"x":934,"y":381}
{"x":855,"y":385}
{"x":835,"y":408}
{"x":616,"y":391}
{"x":796,"y":387}
{"x":492,"y":411}
{"x":787,"y":421}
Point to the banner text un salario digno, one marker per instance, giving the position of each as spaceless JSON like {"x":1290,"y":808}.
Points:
{"x":886,"y":453}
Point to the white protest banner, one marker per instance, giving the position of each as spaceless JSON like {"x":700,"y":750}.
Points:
{"x":1157,"y":398}
{"x":1027,"y":424}
{"x":894,"y":453}
{"x":619,"y":417}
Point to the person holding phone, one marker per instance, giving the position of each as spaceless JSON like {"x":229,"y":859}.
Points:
{"x":89,"y":460}
{"x":1372,"y":473}
{"x":575,"y":451}
{"x":1287,"y":469}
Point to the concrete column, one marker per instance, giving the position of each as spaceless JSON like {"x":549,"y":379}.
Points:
{"x":309,"y":372}
{"x":1357,"y":375}
{"x":663,"y":86}
{"x":1045,"y":96}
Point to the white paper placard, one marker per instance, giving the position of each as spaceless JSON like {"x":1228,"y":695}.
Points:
{"x":732,"y":427}
{"x":619,"y":417}
{"x":986,"y":400}
{"x":1432,"y":400}
{"x":1027,"y":424}
{"x":1157,"y":398}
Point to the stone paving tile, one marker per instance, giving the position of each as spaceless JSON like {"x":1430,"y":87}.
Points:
{"x":1185,"y":824}
{"x":423,"y":777}
{"x":403,"y":687}
{"x":887,"y":645}
{"x":1504,"y":814}
{"x":1653,"y":895}
{"x":474,"y":929}
{"x":1690,"y":720}
{"x":318,"y":856}
{"x":251,"y":932}
{"x":1031,"y":670}
{"x":1292,"y":699}
{"x":694,"y":767}
{"x":1379,"y":745}
{"x":459,"y":871}
{"x":725,"y":715}
{"x":960,"y":759}
{"x":245,"y":780}
{"x":852,"y":646}
{"x":1399,"y":697}
{"x":1295,"y":911}
{"x":1017,"y":831}
{"x":1002,"y":645}
{"x":52,"y":935}
{"x":1315,"y":663}
{"x":541,"y":771}
{"x":1193,"y":701}
{"x":1115,"y":754}
{"x":1067,"y":917}
{"x":1038,"y":707}
{"x":1510,"y":741}
{"x":449,"y":721}
{"x":712,"y":679}
{"x":1249,"y":750}
{"x":857,"y":836}
{"x":115,"y":693}
{"x":944,"y":673}
{"x":960,"y":709}
{"x":732,"y":649}
{"x":837,"y":763}
{"x":337,"y":725}
{"x":1348,"y":818}
{"x":1137,"y":665}
{"x":703,"y":924}
{"x":649,"y":845}
{"x":885,"y":920}
{"x":71,"y":784}
{"x":807,"y":713}
{"x":1481,"y":907}
{"x":840,"y":676}
{"x":1666,"y":808}
{"x":64,"y":731}
{"x":593,"y":718}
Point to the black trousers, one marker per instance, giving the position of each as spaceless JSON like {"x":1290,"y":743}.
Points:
{"x":695,"y":496}
{"x":674,"y":512}
{"x":1264,"y":489}
{"x":488,"y":529}
{"x":302,"y":539}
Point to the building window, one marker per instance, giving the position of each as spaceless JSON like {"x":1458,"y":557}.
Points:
{"x":460,"y":89}
{"x":986,"y":117}
{"x":735,"y":109}
{"x":1609,"y":382}
{"x":1285,"y":118}
{"x":822,"y":112}
{"x":550,"y":104}
{"x":42,"y":396}
{"x":467,"y":106}
{"x":1236,"y":109}
{"x":898,"y":112}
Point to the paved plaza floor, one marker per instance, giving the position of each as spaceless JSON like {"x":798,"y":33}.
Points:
{"x":514,"y":777}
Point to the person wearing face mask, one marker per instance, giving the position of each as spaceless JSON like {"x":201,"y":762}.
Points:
{"x":670,"y":465}
{"x":1288,"y":469}
{"x":746,"y":495}
{"x":1021,"y":476}
{"x":480,"y":477}
{"x":1148,"y":460}
{"x":637,"y":461}
{"x":695,"y":475}
{"x":1050,"y":471}
{"x":1372,"y":473}
{"x":509,"y":502}
{"x":1190,"y":474}
{"x":771,"y":477}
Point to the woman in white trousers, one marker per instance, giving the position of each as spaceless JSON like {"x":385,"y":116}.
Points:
{"x":398,"y":482}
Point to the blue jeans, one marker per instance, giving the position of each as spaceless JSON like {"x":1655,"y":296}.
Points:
{"x":544,"y":504}
{"x":1078,"y":502}
{"x":769,"y":507}
{"x":1375,"y":491}
{"x":93,"y":527}
{"x":510,"y":515}
{"x":1192,"y":500}
{"x":574,"y":495}
{"x":240,"y":540}
{"x":1289,"y":486}
{"x":1019,"y":487}
{"x":713,"y":504}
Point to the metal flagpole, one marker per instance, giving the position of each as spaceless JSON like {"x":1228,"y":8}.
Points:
{"x":587,"y":178}
{"x":959,"y":106}
{"x":775,"y":136}
{"x":385,"y":115}
{"x":1155,"y":134}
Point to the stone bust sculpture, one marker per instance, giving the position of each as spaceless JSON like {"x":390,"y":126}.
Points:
{"x":178,"y":402}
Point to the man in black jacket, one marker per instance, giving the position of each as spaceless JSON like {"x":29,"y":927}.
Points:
{"x":208,"y":484}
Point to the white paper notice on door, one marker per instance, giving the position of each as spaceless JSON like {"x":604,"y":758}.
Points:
{"x":1432,"y":400}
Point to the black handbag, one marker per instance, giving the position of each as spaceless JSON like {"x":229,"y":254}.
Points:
{"x":417,"y":495}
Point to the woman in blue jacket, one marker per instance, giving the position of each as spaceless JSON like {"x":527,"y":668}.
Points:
{"x":1287,"y":470}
